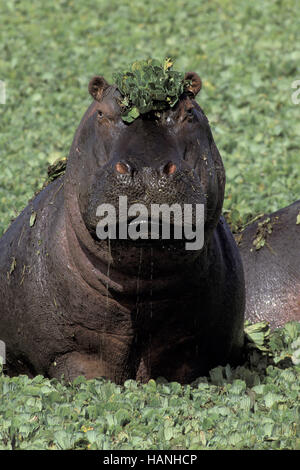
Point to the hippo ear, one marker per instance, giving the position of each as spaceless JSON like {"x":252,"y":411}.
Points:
{"x":97,"y":86}
{"x":196,"y":83}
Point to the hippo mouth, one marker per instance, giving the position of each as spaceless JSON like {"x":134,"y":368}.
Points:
{"x":155,"y":229}
{"x":140,"y":228}
{"x":145,"y":232}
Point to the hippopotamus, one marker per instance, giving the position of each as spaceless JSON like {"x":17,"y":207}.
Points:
{"x":72,"y":304}
{"x":270,"y":249}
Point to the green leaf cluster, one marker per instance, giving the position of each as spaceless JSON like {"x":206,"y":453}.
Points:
{"x":148,"y":85}
{"x":252,"y":406}
{"x":56,"y":169}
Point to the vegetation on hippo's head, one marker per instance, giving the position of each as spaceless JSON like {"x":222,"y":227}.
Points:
{"x":148,"y":85}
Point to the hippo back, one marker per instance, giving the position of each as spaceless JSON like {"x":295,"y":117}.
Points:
{"x":270,"y":250}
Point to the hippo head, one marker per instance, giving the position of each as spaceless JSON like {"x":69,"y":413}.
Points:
{"x":166,"y":157}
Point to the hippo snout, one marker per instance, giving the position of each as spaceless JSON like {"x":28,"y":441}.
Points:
{"x":168,"y":184}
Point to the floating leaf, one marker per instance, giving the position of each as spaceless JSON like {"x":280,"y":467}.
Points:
{"x":168,"y":432}
{"x":264,"y":229}
{"x":13,"y":265}
{"x":258,"y":335}
{"x":271,"y":398}
{"x":296,"y":351}
{"x":131,"y":115}
{"x":216,"y":376}
{"x":32,"y":219}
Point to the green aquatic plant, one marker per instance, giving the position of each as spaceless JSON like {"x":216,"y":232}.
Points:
{"x":148,"y":85}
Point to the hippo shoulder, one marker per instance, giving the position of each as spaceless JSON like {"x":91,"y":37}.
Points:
{"x":40,"y":211}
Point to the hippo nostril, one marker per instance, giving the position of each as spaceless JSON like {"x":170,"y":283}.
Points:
{"x":122,"y":168}
{"x":169,"y":168}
